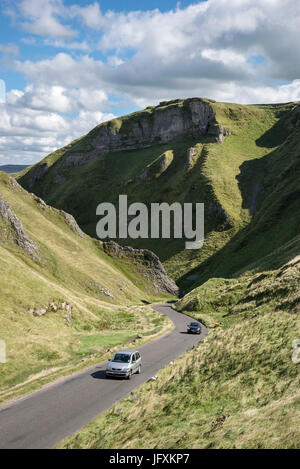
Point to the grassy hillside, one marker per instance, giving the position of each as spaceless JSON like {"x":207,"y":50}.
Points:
{"x":64,"y":299}
{"x":232,"y":179}
{"x":237,"y":389}
{"x":275,"y":215}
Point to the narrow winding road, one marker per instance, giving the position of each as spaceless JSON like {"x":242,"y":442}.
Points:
{"x":48,"y":416}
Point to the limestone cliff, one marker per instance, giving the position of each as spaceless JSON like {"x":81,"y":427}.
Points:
{"x":158,"y":124}
{"x":147,"y":263}
{"x":142,"y":129}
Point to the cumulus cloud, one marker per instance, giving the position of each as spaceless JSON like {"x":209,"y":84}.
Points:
{"x":239,"y":50}
{"x":90,"y":15}
{"x":28,"y":132}
{"x":57,"y":99}
{"x":42,"y":18}
{"x":201,"y":50}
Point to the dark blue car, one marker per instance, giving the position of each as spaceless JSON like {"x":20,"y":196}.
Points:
{"x":194,"y":328}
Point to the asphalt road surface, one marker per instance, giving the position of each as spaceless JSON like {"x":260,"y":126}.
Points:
{"x":46,"y":417}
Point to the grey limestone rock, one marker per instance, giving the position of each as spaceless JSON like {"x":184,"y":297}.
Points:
{"x":15,"y":230}
{"x":162,"y":124}
{"x":152,"y":267}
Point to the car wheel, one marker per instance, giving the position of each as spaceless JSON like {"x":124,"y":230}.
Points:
{"x":130,"y":375}
{"x":139,"y":370}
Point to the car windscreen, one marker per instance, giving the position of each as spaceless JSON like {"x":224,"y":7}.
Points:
{"x":121,"y":358}
{"x":194,"y":324}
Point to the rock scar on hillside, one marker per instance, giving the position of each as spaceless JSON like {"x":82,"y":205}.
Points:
{"x":13,"y":229}
{"x":72,"y":224}
{"x":150,"y":266}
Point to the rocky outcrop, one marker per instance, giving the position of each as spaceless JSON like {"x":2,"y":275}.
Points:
{"x":73,"y":224}
{"x":96,"y":288}
{"x":191,"y":155}
{"x":159,"y":166}
{"x":220,"y":132}
{"x":147,"y":263}
{"x":140,"y":130}
{"x":54,"y":307}
{"x":38,"y":173}
{"x":39,"y":201}
{"x":294,"y":119}
{"x":13,"y":229}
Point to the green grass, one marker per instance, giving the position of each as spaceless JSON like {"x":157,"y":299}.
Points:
{"x":92,"y":343}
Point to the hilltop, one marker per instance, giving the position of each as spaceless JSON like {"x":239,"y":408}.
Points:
{"x":13,"y":168}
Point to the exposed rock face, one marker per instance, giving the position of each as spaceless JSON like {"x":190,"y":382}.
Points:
{"x":217,"y":130}
{"x":14,"y":230}
{"x":39,"y":201}
{"x":95,"y":287}
{"x":39,"y":172}
{"x":162,"y":124}
{"x":151,"y":266}
{"x":190,"y":157}
{"x":73,"y":224}
{"x":294,"y":120}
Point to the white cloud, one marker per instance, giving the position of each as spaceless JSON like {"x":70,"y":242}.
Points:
{"x":27,"y":134}
{"x":200,"y":50}
{"x":2,"y":91}
{"x":114,"y":61}
{"x":90,"y":15}
{"x":73,"y":45}
{"x":57,"y":99}
{"x":41,"y":17}
{"x":207,"y":49}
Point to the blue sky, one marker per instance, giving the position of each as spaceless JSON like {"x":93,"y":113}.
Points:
{"x":11,"y":33}
{"x":69,"y":64}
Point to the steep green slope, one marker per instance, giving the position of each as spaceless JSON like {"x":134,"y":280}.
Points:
{"x":269,"y":189}
{"x":65,"y":297}
{"x":231,"y":178}
{"x":240,"y":388}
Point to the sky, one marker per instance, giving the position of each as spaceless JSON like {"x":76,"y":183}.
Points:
{"x":68,"y":65}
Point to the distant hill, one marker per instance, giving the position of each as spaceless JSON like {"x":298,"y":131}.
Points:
{"x":13,"y":168}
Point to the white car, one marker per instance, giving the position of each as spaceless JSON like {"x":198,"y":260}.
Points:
{"x":124,"y":364}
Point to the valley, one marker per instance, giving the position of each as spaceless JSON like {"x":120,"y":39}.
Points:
{"x":243,"y":163}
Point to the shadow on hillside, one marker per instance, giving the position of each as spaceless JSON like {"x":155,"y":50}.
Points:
{"x":270,"y":191}
{"x":275,"y":136}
